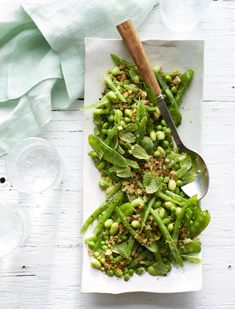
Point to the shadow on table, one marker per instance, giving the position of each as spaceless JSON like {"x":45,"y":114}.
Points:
{"x":140,"y":300}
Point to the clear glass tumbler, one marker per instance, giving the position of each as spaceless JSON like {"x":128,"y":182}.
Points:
{"x":14,"y":225}
{"x":34,"y":165}
{"x":182,"y":15}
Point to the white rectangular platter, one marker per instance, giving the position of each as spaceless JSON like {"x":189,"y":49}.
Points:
{"x":170,"y":55}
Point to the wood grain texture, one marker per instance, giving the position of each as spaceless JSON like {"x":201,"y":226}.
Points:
{"x":45,"y":272}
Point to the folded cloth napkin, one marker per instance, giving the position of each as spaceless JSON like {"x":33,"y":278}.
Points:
{"x":42,"y":56}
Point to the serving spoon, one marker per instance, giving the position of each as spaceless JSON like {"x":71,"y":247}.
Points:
{"x":132,"y":41}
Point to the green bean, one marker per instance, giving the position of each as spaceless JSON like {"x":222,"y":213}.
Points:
{"x":190,"y":246}
{"x":166,"y":89}
{"x":111,"y":85}
{"x":92,"y":217}
{"x":147,"y":211}
{"x":180,"y":217}
{"x":196,"y":209}
{"x":134,"y":234}
{"x":106,"y":152}
{"x":187,"y":217}
{"x":177,"y":198}
{"x":172,"y":74}
{"x":113,"y":189}
{"x":175,"y":113}
{"x":119,"y":61}
{"x":102,"y":102}
{"x":166,"y":197}
{"x":112,"y":203}
{"x":186,"y":79}
{"x":129,"y":228}
{"x":199,"y":224}
{"x":165,"y":233}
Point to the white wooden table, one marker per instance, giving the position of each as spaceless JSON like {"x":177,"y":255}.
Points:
{"x":45,"y":272}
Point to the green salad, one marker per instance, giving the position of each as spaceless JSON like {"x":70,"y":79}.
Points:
{"x":146,"y":222}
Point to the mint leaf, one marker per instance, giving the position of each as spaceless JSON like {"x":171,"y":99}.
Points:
{"x":151,"y":182}
{"x":138,"y":152}
{"x":133,"y":164}
{"x":132,"y":73}
{"x":131,"y":127}
{"x":186,"y":163}
{"x":127,"y":137}
{"x":159,"y":269}
{"x":190,"y":176}
{"x":147,"y":144}
{"x":181,"y":172}
{"x":124,"y":248}
{"x":124,"y":173}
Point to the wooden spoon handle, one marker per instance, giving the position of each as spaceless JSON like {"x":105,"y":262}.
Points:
{"x":131,"y":38}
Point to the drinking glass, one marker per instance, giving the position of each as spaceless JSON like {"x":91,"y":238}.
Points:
{"x":13,"y":227}
{"x":182,"y":15}
{"x":34,"y":165}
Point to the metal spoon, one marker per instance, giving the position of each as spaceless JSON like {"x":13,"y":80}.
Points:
{"x":132,"y":41}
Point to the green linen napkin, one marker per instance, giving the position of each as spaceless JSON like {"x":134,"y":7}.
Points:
{"x":42,"y":56}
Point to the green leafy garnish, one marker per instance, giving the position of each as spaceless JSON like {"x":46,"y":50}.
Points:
{"x":151,"y":182}
{"x":127,"y":137}
{"x":131,"y":127}
{"x":159,"y":269}
{"x":122,"y":172}
{"x":133,"y":164}
{"x":191,"y":258}
{"x":186,"y":163}
{"x":139,"y":152}
{"x":124,"y":248}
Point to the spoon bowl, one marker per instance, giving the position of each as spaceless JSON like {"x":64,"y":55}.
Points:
{"x":201,"y":182}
